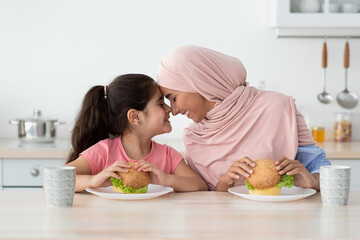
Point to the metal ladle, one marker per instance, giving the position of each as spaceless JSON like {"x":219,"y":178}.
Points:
{"x":324,"y":97}
{"x":347,"y":99}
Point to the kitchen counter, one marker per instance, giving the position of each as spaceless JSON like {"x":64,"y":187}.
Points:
{"x":61,"y":149}
{"x":12,"y":148}
{"x":197,"y":215}
{"x":342,"y":150}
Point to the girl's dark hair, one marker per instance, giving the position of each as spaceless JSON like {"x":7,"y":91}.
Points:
{"x":102,"y":117}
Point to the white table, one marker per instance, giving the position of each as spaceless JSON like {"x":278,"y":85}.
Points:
{"x":197,"y":215}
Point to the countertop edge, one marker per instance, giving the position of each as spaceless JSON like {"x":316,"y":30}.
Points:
{"x":334,"y":150}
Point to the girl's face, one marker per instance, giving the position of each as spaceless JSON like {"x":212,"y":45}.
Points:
{"x":192,"y":105}
{"x":156,"y":115}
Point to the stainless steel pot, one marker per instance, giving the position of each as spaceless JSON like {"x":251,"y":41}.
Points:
{"x":36,"y":129}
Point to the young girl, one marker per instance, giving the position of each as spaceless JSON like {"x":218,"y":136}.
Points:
{"x":115,"y":125}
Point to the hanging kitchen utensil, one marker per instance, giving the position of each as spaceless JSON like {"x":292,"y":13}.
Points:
{"x":347,"y":99}
{"x":324,"y":97}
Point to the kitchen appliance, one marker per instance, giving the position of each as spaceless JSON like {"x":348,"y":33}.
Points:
{"x":59,"y":145}
{"x":36,"y":129}
{"x":22,"y":164}
{"x":324,"y":97}
{"x":347,"y":99}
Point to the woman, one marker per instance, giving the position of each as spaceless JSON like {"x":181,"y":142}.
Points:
{"x":234,"y":123}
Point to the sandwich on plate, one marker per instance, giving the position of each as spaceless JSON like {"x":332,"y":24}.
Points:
{"x":266,"y":180}
{"x":133,"y":181}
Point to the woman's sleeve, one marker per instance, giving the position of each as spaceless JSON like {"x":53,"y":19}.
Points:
{"x":304,"y":134}
{"x":312,"y":157}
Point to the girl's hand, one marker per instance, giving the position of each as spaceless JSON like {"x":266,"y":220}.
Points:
{"x":238,"y":171}
{"x":103,"y":177}
{"x":302,"y":178}
{"x":157,"y":175}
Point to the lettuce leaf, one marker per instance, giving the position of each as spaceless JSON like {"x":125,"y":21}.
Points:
{"x":250,"y":187}
{"x":125,"y":189}
{"x":285,"y":181}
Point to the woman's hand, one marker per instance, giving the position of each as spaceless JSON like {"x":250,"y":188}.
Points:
{"x":103,"y":177}
{"x":157,"y":175}
{"x":238,"y":171}
{"x":302,"y":178}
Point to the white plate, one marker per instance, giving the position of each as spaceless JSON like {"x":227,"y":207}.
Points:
{"x":153,"y":192}
{"x":286,"y":194}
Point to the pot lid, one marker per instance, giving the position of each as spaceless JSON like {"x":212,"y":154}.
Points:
{"x":37,"y":116}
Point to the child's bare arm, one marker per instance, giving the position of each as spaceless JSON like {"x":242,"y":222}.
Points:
{"x":83,"y":173}
{"x":85,"y":179}
{"x":184,"y":178}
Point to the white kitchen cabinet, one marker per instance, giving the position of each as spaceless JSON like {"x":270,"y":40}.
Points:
{"x":17,"y":173}
{"x":288,"y":19}
{"x":355,"y":171}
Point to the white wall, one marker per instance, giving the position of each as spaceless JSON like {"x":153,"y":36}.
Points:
{"x":52,"y":52}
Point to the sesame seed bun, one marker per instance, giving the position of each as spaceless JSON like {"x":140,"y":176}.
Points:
{"x":134,"y":178}
{"x":265,"y":174}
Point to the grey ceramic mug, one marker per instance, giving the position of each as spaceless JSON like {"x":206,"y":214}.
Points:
{"x":59,"y":185}
{"x":335,"y":184}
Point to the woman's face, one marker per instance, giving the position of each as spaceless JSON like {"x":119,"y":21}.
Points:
{"x":192,"y":105}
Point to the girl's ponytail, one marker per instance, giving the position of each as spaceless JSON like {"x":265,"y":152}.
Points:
{"x":91,"y":124}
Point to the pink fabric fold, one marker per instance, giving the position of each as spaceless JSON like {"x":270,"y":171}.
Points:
{"x":244,"y":122}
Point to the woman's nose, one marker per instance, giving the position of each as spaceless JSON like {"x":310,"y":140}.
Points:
{"x":174,"y":110}
{"x":168,"y":109}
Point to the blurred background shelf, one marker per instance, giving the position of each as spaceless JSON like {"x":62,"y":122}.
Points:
{"x":290,"y":20}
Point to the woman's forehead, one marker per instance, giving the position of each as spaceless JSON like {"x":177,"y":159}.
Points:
{"x":164,"y":89}
{"x":167,"y":91}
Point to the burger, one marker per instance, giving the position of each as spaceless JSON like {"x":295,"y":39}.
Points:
{"x":133,"y":181}
{"x":266,"y":180}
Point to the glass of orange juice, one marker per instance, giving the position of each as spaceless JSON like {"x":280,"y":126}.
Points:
{"x":318,"y":133}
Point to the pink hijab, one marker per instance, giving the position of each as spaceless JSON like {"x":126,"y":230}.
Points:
{"x":244,"y":122}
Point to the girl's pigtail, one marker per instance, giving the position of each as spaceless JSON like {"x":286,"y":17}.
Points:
{"x":91,"y":124}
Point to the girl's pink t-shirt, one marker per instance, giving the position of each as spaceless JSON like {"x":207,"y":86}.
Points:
{"x":106,"y":152}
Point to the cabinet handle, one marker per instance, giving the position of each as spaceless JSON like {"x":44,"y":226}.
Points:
{"x":35,"y":172}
